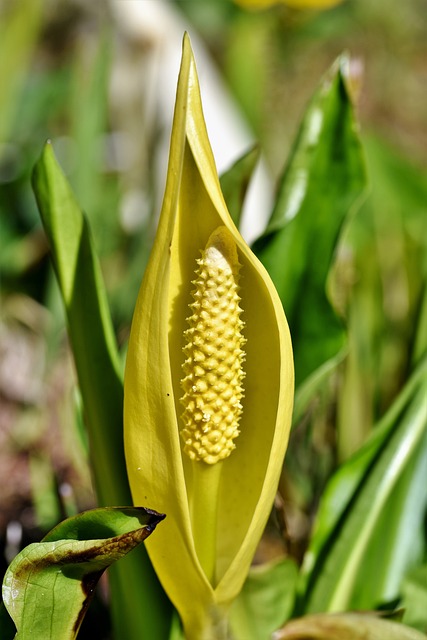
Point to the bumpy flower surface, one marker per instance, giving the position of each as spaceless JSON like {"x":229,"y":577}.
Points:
{"x":213,"y":372}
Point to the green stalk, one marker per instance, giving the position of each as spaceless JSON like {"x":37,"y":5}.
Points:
{"x":203,"y":504}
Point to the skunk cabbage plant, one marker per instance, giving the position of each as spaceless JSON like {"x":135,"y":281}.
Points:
{"x":208,"y":384}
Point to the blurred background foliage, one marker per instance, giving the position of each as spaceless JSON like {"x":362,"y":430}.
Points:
{"x":93,"y":78}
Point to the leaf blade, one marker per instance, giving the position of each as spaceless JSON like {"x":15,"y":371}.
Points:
{"x":266,"y":600}
{"x":346,"y":626}
{"x":299,"y":243}
{"x":372,"y":509}
{"x":49,"y":585}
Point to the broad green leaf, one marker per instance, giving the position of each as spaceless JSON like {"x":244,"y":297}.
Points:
{"x":98,"y":369}
{"x":235,"y":182}
{"x":369,"y":528}
{"x":89,"y":324}
{"x":50,"y":584}
{"x":414,"y":598}
{"x":266,"y":600}
{"x":324,"y":178}
{"x":346,"y":626}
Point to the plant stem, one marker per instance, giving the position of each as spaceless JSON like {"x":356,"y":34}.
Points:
{"x":204,"y":512}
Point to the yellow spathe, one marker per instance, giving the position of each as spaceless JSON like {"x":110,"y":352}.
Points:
{"x":202,"y":575}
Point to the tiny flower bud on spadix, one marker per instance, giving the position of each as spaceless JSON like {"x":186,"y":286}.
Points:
{"x":213,"y":372}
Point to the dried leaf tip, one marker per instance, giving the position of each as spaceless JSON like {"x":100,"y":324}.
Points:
{"x":213,"y":371}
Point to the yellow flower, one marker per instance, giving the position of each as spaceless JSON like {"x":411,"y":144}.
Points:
{"x":208,"y":384}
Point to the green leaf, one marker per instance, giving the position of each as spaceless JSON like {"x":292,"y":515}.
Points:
{"x":347,"y":626}
{"x":420,"y":342}
{"x":235,"y":182}
{"x":385,"y":249}
{"x":50,"y":584}
{"x":89,"y":324}
{"x":324,"y":178}
{"x":100,"y":380}
{"x":414,"y":598}
{"x":369,"y":528}
{"x":266,"y":600}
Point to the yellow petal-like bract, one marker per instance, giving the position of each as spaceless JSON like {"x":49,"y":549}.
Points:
{"x":203,"y":552}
